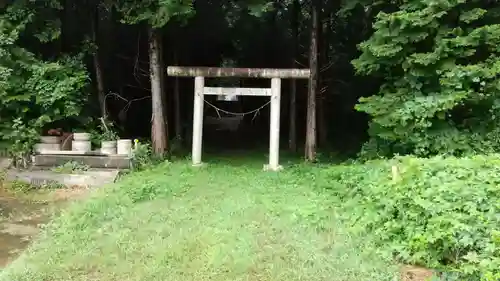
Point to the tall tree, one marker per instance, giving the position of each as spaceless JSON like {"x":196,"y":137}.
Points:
{"x":292,"y":132}
{"x":326,"y":63}
{"x":156,"y":14}
{"x":311,"y":142}
{"x":158,"y":126}
{"x":177,"y":101}
{"x":99,"y":76}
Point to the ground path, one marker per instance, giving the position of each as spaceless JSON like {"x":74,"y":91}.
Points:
{"x":22,"y":215}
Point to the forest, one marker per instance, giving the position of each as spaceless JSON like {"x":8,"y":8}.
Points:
{"x":412,"y":78}
{"x":412,"y":86}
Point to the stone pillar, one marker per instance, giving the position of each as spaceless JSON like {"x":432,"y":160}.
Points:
{"x":274,"y":131}
{"x":199,"y":85}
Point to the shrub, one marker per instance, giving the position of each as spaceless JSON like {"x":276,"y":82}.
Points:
{"x":143,"y":157}
{"x":443,"y":213}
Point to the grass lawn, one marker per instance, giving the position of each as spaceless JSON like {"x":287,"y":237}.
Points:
{"x":224,"y":221}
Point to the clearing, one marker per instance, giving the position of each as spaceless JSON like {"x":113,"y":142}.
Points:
{"x":217,"y":222}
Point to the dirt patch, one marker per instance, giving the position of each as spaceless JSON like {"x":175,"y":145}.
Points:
{"x":22,"y":215}
{"x":18,"y":229}
{"x":15,"y":236}
{"x":10,"y":247}
{"x":73,"y":193}
{"x":415,"y":273}
{"x":12,"y":206}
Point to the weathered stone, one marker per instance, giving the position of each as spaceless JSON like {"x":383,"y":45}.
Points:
{"x":110,"y":162}
{"x":180,"y":71}
{"x":5,"y":163}
{"x":85,"y":179}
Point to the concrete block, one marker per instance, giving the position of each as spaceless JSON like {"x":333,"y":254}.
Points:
{"x":5,"y":163}
{"x":109,"y":162}
{"x":83,"y":179}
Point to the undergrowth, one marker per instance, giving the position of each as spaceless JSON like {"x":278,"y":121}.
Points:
{"x":71,"y":167}
{"x":442,"y":213}
{"x":217,"y":222}
{"x":21,"y":187}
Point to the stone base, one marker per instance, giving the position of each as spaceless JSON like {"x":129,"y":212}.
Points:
{"x":109,"y":162}
{"x":198,"y":165}
{"x":47,"y":178}
{"x":5,"y":163}
{"x":275,"y":169}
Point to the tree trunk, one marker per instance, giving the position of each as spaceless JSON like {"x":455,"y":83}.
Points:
{"x":292,"y":132}
{"x":322,"y":124}
{"x":323,"y":56}
{"x":177,"y":103}
{"x":101,"y":95}
{"x":158,"y":124}
{"x":164,"y":96}
{"x":310,"y":149}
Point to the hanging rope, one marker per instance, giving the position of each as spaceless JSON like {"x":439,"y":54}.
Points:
{"x":241,"y":114}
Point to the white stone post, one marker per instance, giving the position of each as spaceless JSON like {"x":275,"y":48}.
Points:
{"x":274,"y":131}
{"x":199,"y":84}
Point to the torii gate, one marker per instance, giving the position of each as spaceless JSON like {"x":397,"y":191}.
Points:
{"x":274,"y":93}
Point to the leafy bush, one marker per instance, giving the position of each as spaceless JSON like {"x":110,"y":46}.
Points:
{"x":443,"y":213}
{"x":143,"y":157}
{"x":102,"y":130}
{"x":35,"y":92}
{"x":439,"y":65}
{"x":71,"y":167}
{"x":19,"y":186}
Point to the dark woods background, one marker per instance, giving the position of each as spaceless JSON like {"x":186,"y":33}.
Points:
{"x":275,"y":38}
{"x":386,"y":77}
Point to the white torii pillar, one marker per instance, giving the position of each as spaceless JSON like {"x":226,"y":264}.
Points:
{"x":274,"y":126}
{"x":199,"y":100}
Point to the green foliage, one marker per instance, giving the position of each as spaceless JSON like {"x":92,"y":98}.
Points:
{"x":442,"y":213}
{"x":3,"y":177}
{"x":440,"y":67}
{"x":19,"y":186}
{"x":156,"y":13}
{"x":109,"y":135}
{"x":105,"y":130}
{"x":143,"y":157}
{"x":21,"y":136}
{"x":34,"y":92}
{"x":71,"y":167}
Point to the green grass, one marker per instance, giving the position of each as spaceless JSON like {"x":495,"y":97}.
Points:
{"x":218,"y":222}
